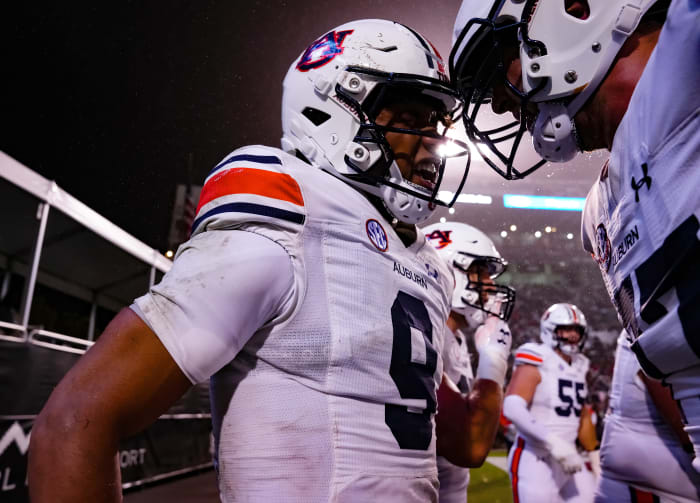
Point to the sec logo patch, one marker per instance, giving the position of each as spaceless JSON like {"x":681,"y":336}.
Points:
{"x":377,"y":235}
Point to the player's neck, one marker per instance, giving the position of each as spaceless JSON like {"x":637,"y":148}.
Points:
{"x":564,"y":356}
{"x":406,"y":232}
{"x":456,"y":322}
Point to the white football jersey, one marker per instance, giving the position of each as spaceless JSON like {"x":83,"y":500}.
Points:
{"x":332,"y":396}
{"x":560,"y":396}
{"x":458,"y":367}
{"x":640,"y":220}
{"x":635,"y":430}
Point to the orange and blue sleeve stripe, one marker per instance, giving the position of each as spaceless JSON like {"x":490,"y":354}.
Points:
{"x":526,"y":356}
{"x":231,"y":185}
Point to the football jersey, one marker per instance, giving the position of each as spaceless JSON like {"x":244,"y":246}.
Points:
{"x":561,"y":393}
{"x":333,"y":397}
{"x":457,"y":366}
{"x":640,"y":220}
{"x":635,"y":429}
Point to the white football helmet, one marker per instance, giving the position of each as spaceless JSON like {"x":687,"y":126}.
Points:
{"x":560,"y":315}
{"x":461,"y":245}
{"x":333,"y":92}
{"x":565,"y":53}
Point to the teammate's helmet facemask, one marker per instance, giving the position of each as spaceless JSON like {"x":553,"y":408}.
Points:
{"x":475,"y":74}
{"x":500,"y":299}
{"x":397,"y":88}
{"x":562,"y":340}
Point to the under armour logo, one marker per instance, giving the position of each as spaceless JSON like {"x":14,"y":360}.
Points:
{"x":505,"y":334}
{"x":645,"y":180}
{"x":431,"y":272}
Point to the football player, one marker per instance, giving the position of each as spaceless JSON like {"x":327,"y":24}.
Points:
{"x":643,"y":423}
{"x":620,"y":75}
{"x":545,"y":401}
{"x":479,"y":307}
{"x":303,"y":295}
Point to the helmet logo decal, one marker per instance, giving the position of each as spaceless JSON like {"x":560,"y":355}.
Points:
{"x":377,"y":235}
{"x":442,"y":236}
{"x":323,"y":50}
{"x":603,"y":248}
{"x":441,"y":66}
{"x":573,"y":314}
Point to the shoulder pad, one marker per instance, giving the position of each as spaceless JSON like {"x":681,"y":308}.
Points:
{"x":251,"y":185}
{"x":530,"y":353}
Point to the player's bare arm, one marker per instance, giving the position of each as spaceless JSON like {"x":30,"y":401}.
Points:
{"x":524,"y":382}
{"x":586,"y":431}
{"x":466,"y":427}
{"x":95,"y":405}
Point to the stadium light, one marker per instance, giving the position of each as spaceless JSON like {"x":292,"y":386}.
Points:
{"x":543,"y":202}
{"x":446,"y":195}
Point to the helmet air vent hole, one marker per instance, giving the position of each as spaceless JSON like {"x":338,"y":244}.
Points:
{"x":316,"y":116}
{"x":557,"y":125}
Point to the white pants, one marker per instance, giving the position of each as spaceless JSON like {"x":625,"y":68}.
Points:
{"x":538,"y":479}
{"x":636,"y":460}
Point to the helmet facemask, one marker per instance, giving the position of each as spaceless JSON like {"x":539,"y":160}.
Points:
{"x":475,"y":294}
{"x":374,"y":163}
{"x":476,"y":73}
{"x":567,"y":347}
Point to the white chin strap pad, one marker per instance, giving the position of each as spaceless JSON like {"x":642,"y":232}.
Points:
{"x":554,"y":136}
{"x":404,"y":207}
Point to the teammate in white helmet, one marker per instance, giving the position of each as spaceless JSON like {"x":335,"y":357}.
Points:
{"x":303,"y":293}
{"x":545,"y":400}
{"x":644,"y":424}
{"x":482,"y":308}
{"x":620,"y":75}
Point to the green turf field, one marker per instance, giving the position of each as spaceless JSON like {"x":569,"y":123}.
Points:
{"x":489,"y":484}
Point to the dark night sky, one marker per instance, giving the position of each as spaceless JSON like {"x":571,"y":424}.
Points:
{"x":109,"y":99}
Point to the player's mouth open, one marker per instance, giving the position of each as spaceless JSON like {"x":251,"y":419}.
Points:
{"x":425,"y":173}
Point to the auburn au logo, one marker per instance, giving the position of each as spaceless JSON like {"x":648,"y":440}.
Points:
{"x":442,"y":237}
{"x":323,"y":50}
